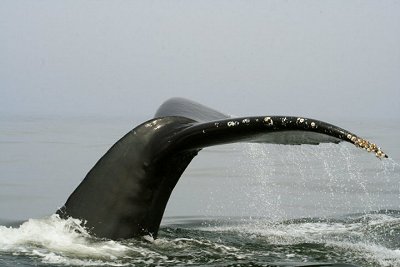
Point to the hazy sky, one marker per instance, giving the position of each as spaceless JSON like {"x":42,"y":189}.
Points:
{"x":120,"y":58}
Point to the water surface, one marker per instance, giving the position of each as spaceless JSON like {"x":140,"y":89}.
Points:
{"x":239,"y":204}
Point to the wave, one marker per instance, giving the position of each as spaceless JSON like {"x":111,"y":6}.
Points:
{"x":58,"y":241}
{"x":371,"y":239}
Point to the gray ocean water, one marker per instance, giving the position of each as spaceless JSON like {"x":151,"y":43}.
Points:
{"x":236,"y":205}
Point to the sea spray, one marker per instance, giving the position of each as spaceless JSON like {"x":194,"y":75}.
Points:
{"x":311,"y":181}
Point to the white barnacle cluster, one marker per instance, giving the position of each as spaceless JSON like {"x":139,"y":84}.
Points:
{"x":268,"y":121}
{"x":300,"y":120}
{"x":313,"y":125}
{"x":365,"y":144}
{"x":216,"y":124}
{"x":232,"y":123}
{"x":246,"y":121}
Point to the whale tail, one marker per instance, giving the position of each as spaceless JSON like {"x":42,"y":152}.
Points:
{"x":125,"y":194}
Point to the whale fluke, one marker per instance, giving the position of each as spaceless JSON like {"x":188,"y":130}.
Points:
{"x":125,"y":194}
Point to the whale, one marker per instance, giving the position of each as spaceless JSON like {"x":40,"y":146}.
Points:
{"x":126,"y":192}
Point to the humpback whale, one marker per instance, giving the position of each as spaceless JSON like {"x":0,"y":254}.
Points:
{"x":125,"y":194}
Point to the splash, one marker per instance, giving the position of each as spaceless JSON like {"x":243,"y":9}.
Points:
{"x":55,"y":241}
{"x":59,"y":241}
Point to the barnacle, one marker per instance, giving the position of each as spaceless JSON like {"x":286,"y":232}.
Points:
{"x":370,"y":147}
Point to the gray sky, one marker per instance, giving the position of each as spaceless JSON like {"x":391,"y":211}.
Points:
{"x":120,"y":58}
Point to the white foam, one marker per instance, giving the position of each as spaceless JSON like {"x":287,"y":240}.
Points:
{"x":59,"y":241}
{"x":377,"y":254}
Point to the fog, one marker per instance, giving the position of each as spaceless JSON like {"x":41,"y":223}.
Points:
{"x":320,"y":59}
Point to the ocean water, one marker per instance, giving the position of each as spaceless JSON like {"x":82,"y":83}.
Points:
{"x":235,"y":205}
